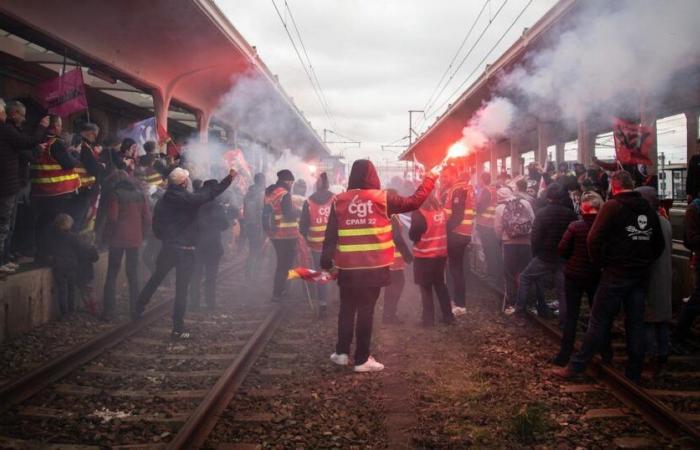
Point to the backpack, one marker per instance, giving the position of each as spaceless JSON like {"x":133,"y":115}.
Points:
{"x":516,"y":220}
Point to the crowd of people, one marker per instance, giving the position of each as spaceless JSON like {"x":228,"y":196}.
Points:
{"x":599,"y":231}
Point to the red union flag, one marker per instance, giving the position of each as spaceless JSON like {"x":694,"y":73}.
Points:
{"x":633,"y":142}
{"x":65,"y":94}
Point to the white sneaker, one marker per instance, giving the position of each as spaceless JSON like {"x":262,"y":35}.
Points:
{"x":459,"y":311}
{"x":371,"y":365}
{"x":12,"y":265}
{"x":509,"y":311}
{"x":7,"y":269}
{"x":340,"y":359}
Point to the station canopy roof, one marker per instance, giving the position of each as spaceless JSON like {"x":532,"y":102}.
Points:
{"x":186,"y":49}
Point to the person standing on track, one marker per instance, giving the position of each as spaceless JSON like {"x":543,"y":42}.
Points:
{"x":312,"y":224}
{"x":175,"y":224}
{"x":359,"y":240}
{"x":458,"y":201}
{"x":281,"y":222}
{"x":429,"y":234}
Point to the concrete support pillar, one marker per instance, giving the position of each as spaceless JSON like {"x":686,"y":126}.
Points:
{"x":691,"y":118}
{"x":586,"y":143}
{"x":648,"y":116}
{"x":543,"y":134}
{"x":161,"y":104}
{"x":203,"y":119}
{"x":515,"y":163}
{"x":560,"y":152}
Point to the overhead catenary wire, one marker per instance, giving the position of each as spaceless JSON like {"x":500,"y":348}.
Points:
{"x":303,"y":64}
{"x":500,"y":39}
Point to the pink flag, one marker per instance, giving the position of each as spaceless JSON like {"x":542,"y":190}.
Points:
{"x":65,"y":94}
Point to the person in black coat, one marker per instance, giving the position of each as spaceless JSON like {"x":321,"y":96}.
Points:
{"x":211,"y":222}
{"x":692,"y":180}
{"x":175,"y":224}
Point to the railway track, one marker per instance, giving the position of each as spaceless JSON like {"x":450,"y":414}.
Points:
{"x":134,"y":386}
{"x":656,"y":400}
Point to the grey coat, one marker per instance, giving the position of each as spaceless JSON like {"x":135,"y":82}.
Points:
{"x":658,"y":301}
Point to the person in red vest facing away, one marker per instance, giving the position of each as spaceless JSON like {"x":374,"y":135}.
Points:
{"x":281,"y":223}
{"x":429,"y":233}
{"x":313,"y":224}
{"x":359,"y":241}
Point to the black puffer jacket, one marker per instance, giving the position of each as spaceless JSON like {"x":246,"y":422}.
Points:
{"x":12,"y":144}
{"x":626,"y":236}
{"x":548,"y":228}
{"x":175,"y":215}
{"x":574,"y":248}
{"x":211,"y":222}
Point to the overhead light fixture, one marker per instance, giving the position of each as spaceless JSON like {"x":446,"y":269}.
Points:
{"x":102,"y":76}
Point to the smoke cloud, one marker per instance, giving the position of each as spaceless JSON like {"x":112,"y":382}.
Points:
{"x":601,"y":62}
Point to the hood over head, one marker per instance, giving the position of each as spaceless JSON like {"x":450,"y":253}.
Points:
{"x":649,"y":194}
{"x":363,"y":175}
{"x":633,"y":200}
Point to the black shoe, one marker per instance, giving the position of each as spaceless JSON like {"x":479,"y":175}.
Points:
{"x":560,"y":360}
{"x":545,"y":313}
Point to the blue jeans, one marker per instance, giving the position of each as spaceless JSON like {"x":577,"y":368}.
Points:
{"x":321,"y":289}
{"x":534,"y":274}
{"x":614,"y":291}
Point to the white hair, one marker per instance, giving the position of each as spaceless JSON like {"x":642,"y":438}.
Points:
{"x":178,"y":176}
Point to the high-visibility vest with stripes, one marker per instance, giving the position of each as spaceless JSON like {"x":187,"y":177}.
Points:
{"x":486,"y":218}
{"x":151,"y":177}
{"x":364,"y":230}
{"x":466,"y":226}
{"x":433,"y":243}
{"x":281,"y":228}
{"x":48,"y":178}
{"x":318,"y":218}
{"x":399,"y":262}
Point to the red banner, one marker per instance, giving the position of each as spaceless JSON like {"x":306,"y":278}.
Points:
{"x":633,"y":142}
{"x":65,"y":94}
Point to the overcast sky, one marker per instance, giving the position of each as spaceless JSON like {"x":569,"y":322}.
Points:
{"x":375,"y":60}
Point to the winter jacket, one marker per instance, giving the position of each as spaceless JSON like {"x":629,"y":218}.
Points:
{"x":12,"y":143}
{"x":128,"y":216}
{"x":66,"y":251}
{"x":626,"y":236}
{"x":574,"y":248}
{"x":364,"y":176}
{"x":658,"y":302}
{"x":211,"y":222}
{"x":498,"y":224}
{"x":175,"y":214}
{"x":548,"y":228}
{"x":692,"y":180}
{"x":691,"y":226}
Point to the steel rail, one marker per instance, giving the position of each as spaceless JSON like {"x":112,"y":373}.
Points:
{"x":660,"y":416}
{"x":38,"y":379}
{"x":201,"y":422}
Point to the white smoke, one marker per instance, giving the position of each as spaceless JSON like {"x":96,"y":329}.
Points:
{"x":607,"y":60}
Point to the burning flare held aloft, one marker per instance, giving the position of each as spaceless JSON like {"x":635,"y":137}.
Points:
{"x":457,"y":150}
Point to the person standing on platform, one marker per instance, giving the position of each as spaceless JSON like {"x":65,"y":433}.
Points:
{"x":359,"y":240}
{"x":429,"y":234}
{"x":486,"y":203}
{"x":402,"y":257}
{"x":175,"y":224}
{"x":128,"y":218}
{"x":312,"y":224}
{"x":458,"y":202}
{"x":91,"y":172}
{"x":281,"y":222}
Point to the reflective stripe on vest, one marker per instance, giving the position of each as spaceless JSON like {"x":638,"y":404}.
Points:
{"x":151,"y":177}
{"x":281,"y":228}
{"x":465,"y":227}
{"x":318,"y":216}
{"x":364,"y":230}
{"x":433,"y":243}
{"x":486,"y":218}
{"x":49,"y":179}
{"x":86,"y":180}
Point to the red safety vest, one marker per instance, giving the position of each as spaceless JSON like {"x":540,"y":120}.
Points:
{"x":318,"y":214}
{"x":466,"y":226}
{"x":433,"y":243}
{"x":150,"y":176}
{"x":281,"y":227}
{"x":48,"y":178}
{"x":364,"y":230}
{"x":399,"y":261}
{"x":487,"y":217}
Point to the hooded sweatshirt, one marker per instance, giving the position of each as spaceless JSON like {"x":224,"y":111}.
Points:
{"x":363,"y":175}
{"x":626,"y":236}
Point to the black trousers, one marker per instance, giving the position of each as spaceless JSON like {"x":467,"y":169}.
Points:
{"x":206,"y":267}
{"x":65,"y":287}
{"x":457,"y":249}
{"x":183,"y":262}
{"x":356,"y":315}
{"x":116,"y":254}
{"x":392,"y":294}
{"x":574,"y":290}
{"x":285,"y":250}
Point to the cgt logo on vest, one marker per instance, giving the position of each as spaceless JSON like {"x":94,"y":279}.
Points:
{"x":439,"y":217}
{"x":359,"y":210}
